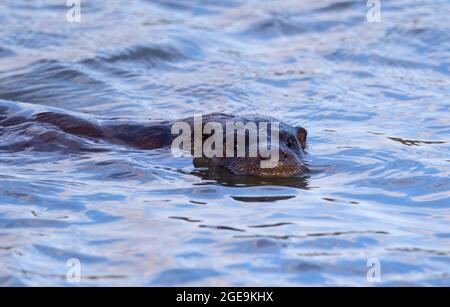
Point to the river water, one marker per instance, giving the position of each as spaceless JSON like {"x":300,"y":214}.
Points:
{"x":375,"y":98}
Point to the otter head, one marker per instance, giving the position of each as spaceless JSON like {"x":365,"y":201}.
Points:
{"x":289,"y":147}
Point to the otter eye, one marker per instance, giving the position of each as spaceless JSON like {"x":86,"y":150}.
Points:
{"x":289,"y":143}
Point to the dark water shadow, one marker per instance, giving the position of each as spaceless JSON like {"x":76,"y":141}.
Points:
{"x":338,"y":6}
{"x":220,"y":176}
{"x":415,"y":142}
{"x":262,"y":199}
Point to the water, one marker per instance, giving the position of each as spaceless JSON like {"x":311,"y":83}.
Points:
{"x":373,"y":96}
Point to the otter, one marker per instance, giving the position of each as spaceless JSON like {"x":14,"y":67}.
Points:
{"x":51,"y":129}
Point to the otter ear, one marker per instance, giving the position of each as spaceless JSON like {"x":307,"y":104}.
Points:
{"x":301,"y":135}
